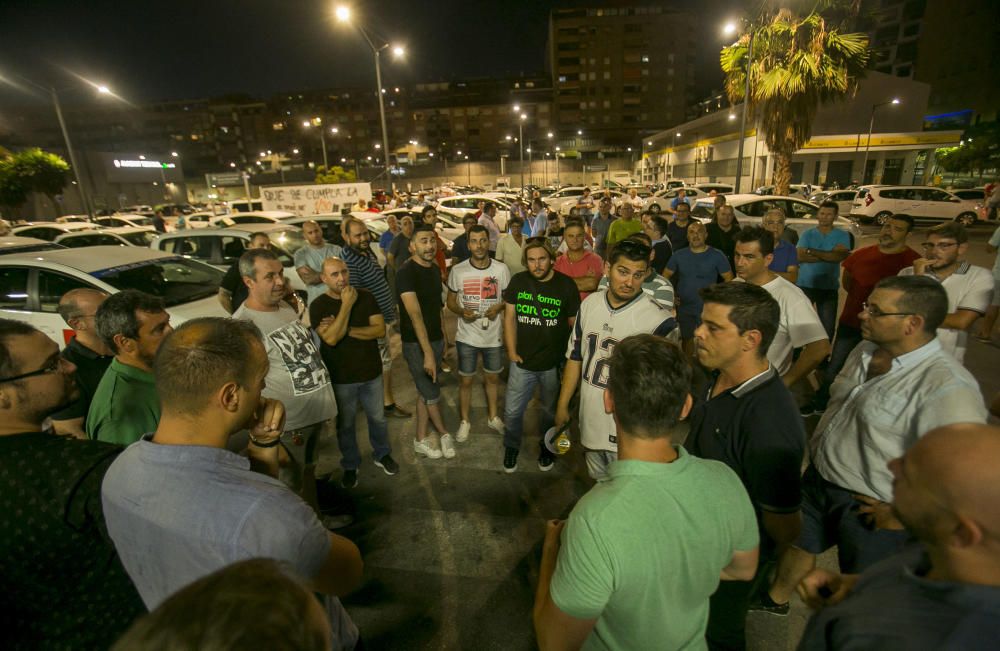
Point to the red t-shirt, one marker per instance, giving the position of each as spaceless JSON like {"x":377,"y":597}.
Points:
{"x":578,"y":269}
{"x":867,"y":266}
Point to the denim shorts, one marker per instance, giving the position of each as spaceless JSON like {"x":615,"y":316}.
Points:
{"x":430,"y":392}
{"x":468,"y":358}
{"x":830,"y":517}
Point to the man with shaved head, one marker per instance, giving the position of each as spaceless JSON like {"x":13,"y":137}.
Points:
{"x":350,"y":324}
{"x":179,"y":505}
{"x":943,"y":593}
{"x":309,"y":259}
{"x":87,"y":351}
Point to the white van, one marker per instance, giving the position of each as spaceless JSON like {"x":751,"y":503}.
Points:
{"x":876,"y":203}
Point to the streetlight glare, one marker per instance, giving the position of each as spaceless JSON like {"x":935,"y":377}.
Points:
{"x":305,"y":123}
{"x":104,"y":90}
{"x":729,"y":29}
{"x":895,"y":100}
{"x":295,"y":151}
{"x":678,"y":134}
{"x":334,"y":130}
{"x":174,"y":154}
{"x":342,"y":13}
{"x":524,"y":116}
{"x":550,"y":134}
{"x":649,"y":143}
{"x":517,"y":107}
{"x":398,"y":51}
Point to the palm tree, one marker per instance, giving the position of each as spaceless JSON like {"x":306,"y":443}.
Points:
{"x":797,"y":63}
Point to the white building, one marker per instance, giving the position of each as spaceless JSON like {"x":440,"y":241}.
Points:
{"x":899,"y":151}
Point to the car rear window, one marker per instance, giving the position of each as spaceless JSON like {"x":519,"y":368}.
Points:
{"x":176,"y":280}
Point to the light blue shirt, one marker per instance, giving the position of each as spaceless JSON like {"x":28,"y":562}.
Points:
{"x":821,"y":275}
{"x":869,"y":423}
{"x":995,"y":242}
{"x":313,"y":257}
{"x":177,"y":513}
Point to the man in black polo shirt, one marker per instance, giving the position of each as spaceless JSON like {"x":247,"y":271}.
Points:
{"x":748,"y":420}
{"x":87,"y":351}
{"x":349,"y":323}
{"x":63,"y":584}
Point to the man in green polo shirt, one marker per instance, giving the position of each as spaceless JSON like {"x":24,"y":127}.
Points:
{"x":125,"y":405}
{"x":636,"y":562}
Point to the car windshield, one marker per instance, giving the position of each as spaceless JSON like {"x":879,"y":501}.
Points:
{"x":289,"y":241}
{"x":139,"y":238}
{"x":177,"y":280}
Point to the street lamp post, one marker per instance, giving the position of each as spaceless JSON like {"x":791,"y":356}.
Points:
{"x":520,"y":144}
{"x":871,"y":126}
{"x":729,"y":29}
{"x":673,"y":145}
{"x":84,"y":197}
{"x":343,"y":14}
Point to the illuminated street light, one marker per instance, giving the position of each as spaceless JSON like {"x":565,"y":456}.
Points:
{"x":174,"y":154}
{"x":103,"y":90}
{"x":398,"y":51}
{"x":343,"y":13}
{"x":318,"y":122}
{"x":295,"y":151}
{"x":871,"y":125}
{"x":231,"y":164}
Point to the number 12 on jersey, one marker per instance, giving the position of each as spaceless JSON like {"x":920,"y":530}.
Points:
{"x":598,"y":367}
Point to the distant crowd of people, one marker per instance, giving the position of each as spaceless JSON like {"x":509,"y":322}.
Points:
{"x":161,"y":489}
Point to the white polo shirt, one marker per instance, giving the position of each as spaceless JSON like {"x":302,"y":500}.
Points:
{"x":969,"y":288}
{"x":799,"y":324}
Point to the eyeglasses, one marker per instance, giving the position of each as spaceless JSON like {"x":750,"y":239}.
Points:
{"x":941,"y":246}
{"x":875,"y":313}
{"x":52,"y":367}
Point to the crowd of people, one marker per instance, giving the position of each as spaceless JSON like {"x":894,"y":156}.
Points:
{"x":172,"y":472}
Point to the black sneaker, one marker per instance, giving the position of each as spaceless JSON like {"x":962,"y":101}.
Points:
{"x":545,"y":459}
{"x":510,"y":459}
{"x":764,"y":604}
{"x":388,"y":464}
{"x":350,"y":479}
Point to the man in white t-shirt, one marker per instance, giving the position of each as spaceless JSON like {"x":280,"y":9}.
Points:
{"x":800,"y":326}
{"x":475,"y":294}
{"x":297,"y":376}
{"x":969,"y":288}
{"x":606,"y":318}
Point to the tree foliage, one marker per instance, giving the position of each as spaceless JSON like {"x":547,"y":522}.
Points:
{"x":979,"y":151}
{"x":31,"y":170}
{"x":335,"y":174}
{"x":799,"y":59}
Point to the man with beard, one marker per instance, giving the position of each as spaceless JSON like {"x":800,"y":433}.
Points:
{"x":541,"y":308}
{"x":126,"y":406}
{"x":605,"y":319}
{"x":969,"y":288}
{"x":418,"y":288}
{"x":64,"y":586}
{"x":365,"y":273}
{"x":723,"y":228}
{"x":943,"y":593}
{"x":399,"y":250}
{"x":896,"y":386}
{"x":474,"y":294}
{"x":180,"y":505}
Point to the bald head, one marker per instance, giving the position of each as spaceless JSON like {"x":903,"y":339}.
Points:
{"x":80,"y":304}
{"x":950,"y":480}
{"x":335,"y":275}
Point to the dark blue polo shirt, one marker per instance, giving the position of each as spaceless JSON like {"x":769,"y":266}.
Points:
{"x":755,"y":429}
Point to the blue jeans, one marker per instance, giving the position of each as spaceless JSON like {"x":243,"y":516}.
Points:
{"x":369,"y":395}
{"x":468,"y":358}
{"x":826,"y":307}
{"x":521,"y":385}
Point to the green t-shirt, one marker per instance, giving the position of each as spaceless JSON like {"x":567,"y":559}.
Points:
{"x":125,"y":405}
{"x":642,"y":551}
{"x":620,"y":229}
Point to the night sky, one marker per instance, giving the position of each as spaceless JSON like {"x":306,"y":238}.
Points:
{"x":153,"y":50}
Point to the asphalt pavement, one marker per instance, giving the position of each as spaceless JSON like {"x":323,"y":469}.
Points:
{"x":451,"y":547}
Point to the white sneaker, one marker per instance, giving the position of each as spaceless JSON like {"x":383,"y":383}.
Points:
{"x":463,"y":432}
{"x":447,"y":446}
{"x":496,"y":424}
{"x":424,"y":448}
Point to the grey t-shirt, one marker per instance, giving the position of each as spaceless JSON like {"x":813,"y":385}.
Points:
{"x":297,"y":377}
{"x":313,"y":257}
{"x":177,"y":513}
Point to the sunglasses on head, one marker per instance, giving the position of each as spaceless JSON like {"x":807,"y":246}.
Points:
{"x":634,"y":248}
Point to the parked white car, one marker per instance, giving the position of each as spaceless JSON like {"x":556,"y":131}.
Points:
{"x":661,"y":200}
{"x":751,"y":208}
{"x":876,"y":203}
{"x":330,"y":223}
{"x":222,"y":247}
{"x":843,"y":198}
{"x":31,"y":284}
{"x":49,"y":231}
{"x":108,"y":237}
{"x":564,"y":200}
{"x":10,"y":244}
{"x":464,"y":204}
{"x":124,"y":220}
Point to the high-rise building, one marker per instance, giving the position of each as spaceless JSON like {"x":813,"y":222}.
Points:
{"x":620,"y":70}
